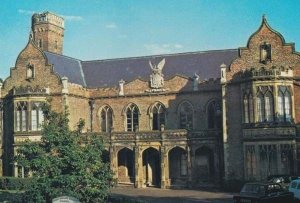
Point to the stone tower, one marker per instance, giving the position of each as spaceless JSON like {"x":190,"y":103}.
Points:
{"x":48,"y":31}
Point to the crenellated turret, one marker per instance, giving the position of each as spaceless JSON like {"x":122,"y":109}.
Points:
{"x":48,"y":31}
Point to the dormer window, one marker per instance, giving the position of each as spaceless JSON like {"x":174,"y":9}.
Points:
{"x":30,"y":71}
{"x":265,"y":53}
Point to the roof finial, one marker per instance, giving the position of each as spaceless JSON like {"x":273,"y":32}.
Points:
{"x":264,"y":19}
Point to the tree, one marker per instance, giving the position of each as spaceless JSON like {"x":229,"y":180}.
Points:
{"x":65,"y":163}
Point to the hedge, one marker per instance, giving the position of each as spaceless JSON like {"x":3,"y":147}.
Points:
{"x":13,"y":183}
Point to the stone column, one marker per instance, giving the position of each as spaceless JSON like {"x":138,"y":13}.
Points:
{"x":113,"y":161}
{"x":224,"y":124}
{"x":15,"y":170}
{"x":189,"y":166}
{"x":164,"y":167}
{"x":278,"y":156}
{"x":138,"y":163}
{"x":294,"y":148}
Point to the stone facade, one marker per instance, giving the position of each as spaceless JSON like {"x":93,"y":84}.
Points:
{"x":186,"y":131}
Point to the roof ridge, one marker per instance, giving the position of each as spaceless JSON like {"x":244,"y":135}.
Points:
{"x":82,"y":73}
{"x":159,"y":55}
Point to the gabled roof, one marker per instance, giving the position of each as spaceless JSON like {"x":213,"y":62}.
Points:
{"x":107,"y":73}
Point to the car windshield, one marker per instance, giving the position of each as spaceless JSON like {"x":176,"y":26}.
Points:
{"x":253,"y":188}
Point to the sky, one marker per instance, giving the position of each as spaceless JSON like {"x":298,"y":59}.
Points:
{"x":104,"y":29}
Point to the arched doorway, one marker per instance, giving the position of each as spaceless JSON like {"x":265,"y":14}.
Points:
{"x":151,"y":167}
{"x":203,"y":170}
{"x":125,"y":166}
{"x":178,"y":166}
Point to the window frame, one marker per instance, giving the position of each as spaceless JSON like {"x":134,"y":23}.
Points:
{"x":186,"y":117}
{"x":132,"y":115}
{"x":157,"y":116}
{"x":107,"y":121}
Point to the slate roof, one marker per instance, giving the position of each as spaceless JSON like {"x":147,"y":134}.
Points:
{"x":107,"y":73}
{"x":67,"y":66}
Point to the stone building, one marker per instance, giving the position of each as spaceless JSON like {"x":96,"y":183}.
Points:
{"x":188,"y":119}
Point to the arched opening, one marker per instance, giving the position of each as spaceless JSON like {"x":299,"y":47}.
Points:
{"x":177,"y":166}
{"x":151,"y":167}
{"x":132,"y":118}
{"x":125,"y":166}
{"x":106,"y":119}
{"x":158,"y":116}
{"x":105,"y":156}
{"x":203,"y":169}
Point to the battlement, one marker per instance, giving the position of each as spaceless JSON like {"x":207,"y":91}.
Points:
{"x":48,"y":31}
{"x":47,"y":17}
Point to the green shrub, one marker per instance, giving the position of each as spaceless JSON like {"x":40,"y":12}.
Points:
{"x":11,"y":196}
{"x":13,"y":183}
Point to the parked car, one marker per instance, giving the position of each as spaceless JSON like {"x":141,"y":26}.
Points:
{"x":283,"y":180}
{"x":295,"y":188}
{"x":263,"y":193}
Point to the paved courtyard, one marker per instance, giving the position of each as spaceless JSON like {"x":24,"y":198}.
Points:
{"x":170,"y":195}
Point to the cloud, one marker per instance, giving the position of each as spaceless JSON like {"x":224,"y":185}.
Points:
{"x":66,"y":17}
{"x":72,"y":18}
{"x":178,"y":46}
{"x":111,"y":25}
{"x":26,"y":12}
{"x":162,"y":48}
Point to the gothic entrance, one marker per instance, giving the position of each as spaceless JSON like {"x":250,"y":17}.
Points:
{"x":204,"y":165}
{"x":125,"y":166}
{"x":177,"y":166}
{"x":151,"y":167}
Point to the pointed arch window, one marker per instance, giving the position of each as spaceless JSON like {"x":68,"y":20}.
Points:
{"x":248,"y":108}
{"x":158,"y":116}
{"x":21,"y":116}
{"x":265,"y":105}
{"x":186,"y":116}
{"x":106,"y":119}
{"x":214,"y":115}
{"x":284,"y":104}
{"x":269,"y":107}
{"x":132,"y":118}
{"x":260,"y":108}
{"x":37,"y":116}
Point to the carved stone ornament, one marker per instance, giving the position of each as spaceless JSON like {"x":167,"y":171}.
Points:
{"x":157,"y":78}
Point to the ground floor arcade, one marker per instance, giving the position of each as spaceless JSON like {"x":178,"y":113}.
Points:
{"x":150,"y":165}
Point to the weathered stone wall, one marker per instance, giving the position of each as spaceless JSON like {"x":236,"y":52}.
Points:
{"x":32,"y":55}
{"x":50,"y":34}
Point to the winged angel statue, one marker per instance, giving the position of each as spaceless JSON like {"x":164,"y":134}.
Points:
{"x":157,"y":78}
